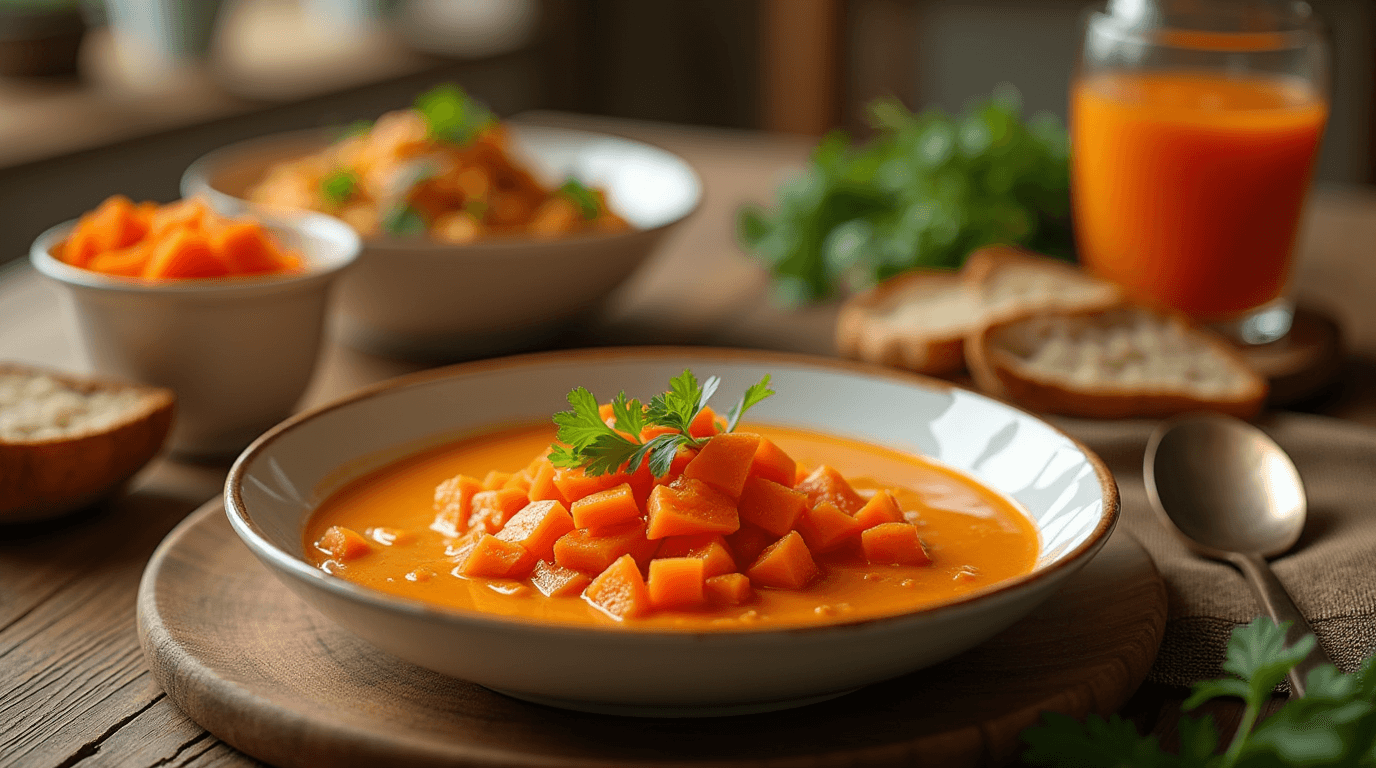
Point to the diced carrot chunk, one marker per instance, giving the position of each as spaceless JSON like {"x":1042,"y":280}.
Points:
{"x":894,"y":544}
{"x":493,"y":558}
{"x":710,"y":548}
{"x":826,"y":484}
{"x":682,"y":457}
{"x":747,"y":543}
{"x":343,"y":544}
{"x":619,"y":591}
{"x":245,"y":246}
{"x":729,"y":589}
{"x":520,"y":481}
{"x":606,"y":509}
{"x":881,"y":508}
{"x":824,"y":527}
{"x":574,"y":484}
{"x":495,"y":480}
{"x":81,"y":247}
{"x":184,"y":254}
{"x":557,"y":581}
{"x":800,"y":475}
{"x":771,"y":463}
{"x":581,"y":550}
{"x":491,"y":509}
{"x":453,"y":504}
{"x":537,"y":526}
{"x":724,"y":462}
{"x":706,"y":423}
{"x":542,"y":487}
{"x":605,"y":412}
{"x":676,"y":582}
{"x":688,"y":507}
{"x":773,"y":507}
{"x":786,"y":564}
{"x":126,"y":262}
{"x":458,"y":549}
{"x":652,"y":431}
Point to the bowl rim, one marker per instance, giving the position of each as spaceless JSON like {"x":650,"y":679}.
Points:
{"x":195,"y":180}
{"x":297,"y":567}
{"x":42,"y":259}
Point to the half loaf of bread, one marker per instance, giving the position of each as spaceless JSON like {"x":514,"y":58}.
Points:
{"x":1120,"y":362}
{"x":67,"y":441}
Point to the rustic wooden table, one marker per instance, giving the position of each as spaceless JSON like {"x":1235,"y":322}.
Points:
{"x":74,"y":689}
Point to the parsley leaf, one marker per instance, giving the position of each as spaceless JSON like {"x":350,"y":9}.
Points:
{"x":404,"y":221}
{"x":339,"y":186}
{"x":451,"y":115}
{"x":753,"y":395}
{"x":582,"y":196}
{"x":585,"y":440}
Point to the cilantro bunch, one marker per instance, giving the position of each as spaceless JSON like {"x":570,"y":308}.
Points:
{"x":925,"y":192}
{"x":585,"y":440}
{"x":1333,"y":725}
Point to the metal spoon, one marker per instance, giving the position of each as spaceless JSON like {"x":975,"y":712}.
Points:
{"x":1232,"y":494}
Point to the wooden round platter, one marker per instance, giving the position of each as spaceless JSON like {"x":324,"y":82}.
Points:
{"x":255,"y":666}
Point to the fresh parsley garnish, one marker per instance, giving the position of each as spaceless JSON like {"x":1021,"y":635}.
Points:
{"x":403,"y":221}
{"x":1333,"y":725}
{"x":451,"y":115}
{"x":339,"y":186}
{"x":585,"y":440}
{"x":582,"y":196}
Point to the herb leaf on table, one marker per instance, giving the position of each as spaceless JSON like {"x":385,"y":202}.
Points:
{"x":1333,"y":725}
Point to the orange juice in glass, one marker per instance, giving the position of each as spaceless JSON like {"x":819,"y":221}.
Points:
{"x":1193,"y":140}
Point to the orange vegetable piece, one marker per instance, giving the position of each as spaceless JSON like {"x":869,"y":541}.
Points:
{"x":606,"y":509}
{"x":453,"y":504}
{"x":188,"y":213}
{"x":493,"y":558}
{"x":706,"y":423}
{"x":773,"y":507}
{"x":824,"y":527}
{"x":520,"y":481}
{"x":652,"y":431}
{"x":785,"y":564}
{"x":582,"y":550}
{"x":343,"y":544}
{"x":725,"y":461}
{"x":676,"y":582}
{"x":619,"y":591}
{"x":574,"y":484}
{"x":459,"y":548}
{"x":728,"y":589}
{"x":495,"y":480}
{"x":688,"y":507}
{"x":183,"y":255}
{"x":537,"y":526}
{"x":826,"y":484}
{"x":557,"y":581}
{"x":710,"y":548}
{"x":491,"y":509}
{"x":682,"y":457}
{"x":81,"y":246}
{"x":542,"y":487}
{"x":894,"y":544}
{"x":248,"y":249}
{"x":881,"y":508}
{"x":771,"y":463}
{"x":747,"y":543}
{"x":125,"y":262}
{"x":800,"y":475}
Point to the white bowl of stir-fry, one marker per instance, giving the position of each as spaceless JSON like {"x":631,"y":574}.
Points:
{"x":478,"y":236}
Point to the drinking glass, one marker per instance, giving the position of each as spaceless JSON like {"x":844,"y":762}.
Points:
{"x":1194,"y":128}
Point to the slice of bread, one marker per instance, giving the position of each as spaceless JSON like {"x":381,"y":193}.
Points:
{"x":67,"y":441}
{"x":1116,"y":363}
{"x":919,"y":320}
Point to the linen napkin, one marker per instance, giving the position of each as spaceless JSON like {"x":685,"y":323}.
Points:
{"x":1330,"y":572}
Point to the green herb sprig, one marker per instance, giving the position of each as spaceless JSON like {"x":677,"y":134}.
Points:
{"x":453,"y":116}
{"x":339,"y":186}
{"x":1333,"y":725}
{"x":586,"y":441}
{"x":587,"y":201}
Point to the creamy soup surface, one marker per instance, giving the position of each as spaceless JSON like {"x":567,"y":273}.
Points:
{"x":974,"y":536}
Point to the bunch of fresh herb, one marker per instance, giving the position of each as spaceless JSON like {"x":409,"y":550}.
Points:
{"x":925,"y":192}
{"x":1333,"y":725}
{"x":585,"y":440}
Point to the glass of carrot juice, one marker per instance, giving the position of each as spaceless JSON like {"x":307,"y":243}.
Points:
{"x":1194,"y":129}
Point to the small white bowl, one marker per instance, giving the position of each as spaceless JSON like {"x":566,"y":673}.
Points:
{"x":237,"y":351}
{"x":280,"y":480}
{"x":421,"y":299}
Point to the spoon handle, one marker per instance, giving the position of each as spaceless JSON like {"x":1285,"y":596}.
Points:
{"x":1273,"y":597}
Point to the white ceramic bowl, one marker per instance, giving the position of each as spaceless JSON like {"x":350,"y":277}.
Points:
{"x":425,"y":300}
{"x":237,"y":351}
{"x":277,"y":483}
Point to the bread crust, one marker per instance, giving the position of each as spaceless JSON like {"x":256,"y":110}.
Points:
{"x":46,"y":478}
{"x":861,"y":337}
{"x":995,"y":372}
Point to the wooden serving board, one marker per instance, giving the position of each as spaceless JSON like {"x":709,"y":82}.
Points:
{"x":255,"y":666}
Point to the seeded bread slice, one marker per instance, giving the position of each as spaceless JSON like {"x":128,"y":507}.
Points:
{"x":919,"y":320}
{"x":67,"y":441}
{"x":1116,"y":363}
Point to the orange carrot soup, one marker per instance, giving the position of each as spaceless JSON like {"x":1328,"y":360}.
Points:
{"x":1188,"y":187}
{"x":717,"y":528}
